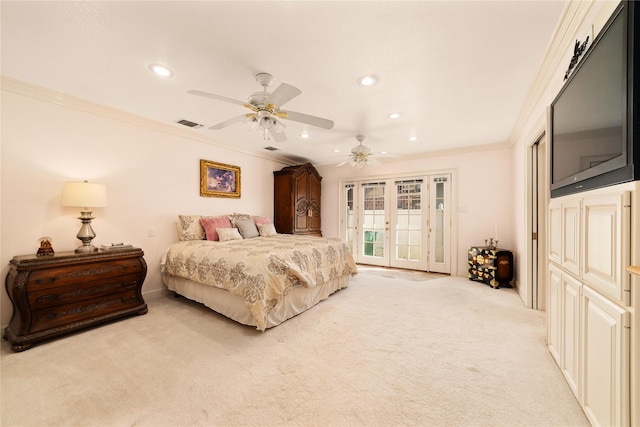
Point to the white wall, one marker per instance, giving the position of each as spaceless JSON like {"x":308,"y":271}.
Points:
{"x":151,"y":172}
{"x":482,"y":188}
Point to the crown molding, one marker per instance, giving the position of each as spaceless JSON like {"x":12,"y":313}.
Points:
{"x":573,"y":17}
{"x":10,"y":84}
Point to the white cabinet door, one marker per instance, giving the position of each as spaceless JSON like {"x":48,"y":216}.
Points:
{"x":555,"y":232}
{"x":571,"y":365}
{"x":554,"y":312}
{"x":606,"y":247}
{"x":605,"y":360}
{"x":570,"y":248}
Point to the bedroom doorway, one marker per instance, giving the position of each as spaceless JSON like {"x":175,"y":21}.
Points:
{"x":536,"y":295}
{"x":399,"y":222}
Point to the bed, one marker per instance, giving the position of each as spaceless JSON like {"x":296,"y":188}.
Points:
{"x":260,"y":281}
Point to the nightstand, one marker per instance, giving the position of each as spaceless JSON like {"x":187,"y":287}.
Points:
{"x":65,"y":292}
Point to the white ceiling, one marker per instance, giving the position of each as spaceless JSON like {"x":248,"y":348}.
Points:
{"x":458,"y":72}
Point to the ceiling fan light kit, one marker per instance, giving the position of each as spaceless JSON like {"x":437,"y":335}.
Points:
{"x":266,"y":113}
{"x":361,"y":155}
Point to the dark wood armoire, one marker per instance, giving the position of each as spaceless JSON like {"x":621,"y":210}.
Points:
{"x":296,"y":200}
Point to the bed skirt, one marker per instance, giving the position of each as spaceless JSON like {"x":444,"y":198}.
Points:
{"x":298,"y":299}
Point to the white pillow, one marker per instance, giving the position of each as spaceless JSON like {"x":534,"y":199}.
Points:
{"x":226,"y":234}
{"x":267,"y":230}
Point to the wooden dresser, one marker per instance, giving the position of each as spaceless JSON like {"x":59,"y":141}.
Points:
{"x":68,"y":291}
{"x":296,"y":200}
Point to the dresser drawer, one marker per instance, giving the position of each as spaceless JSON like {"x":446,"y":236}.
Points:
{"x":67,"y":314}
{"x":52,"y":296}
{"x":69,"y":275}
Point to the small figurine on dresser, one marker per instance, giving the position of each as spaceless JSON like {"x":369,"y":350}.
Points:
{"x":46,"y":246}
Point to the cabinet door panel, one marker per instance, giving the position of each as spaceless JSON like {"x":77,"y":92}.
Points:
{"x":605,"y":358}
{"x":571,"y":236}
{"x":571,"y":331}
{"x":606,"y":244}
{"x":555,"y":232}
{"x":554,"y":310}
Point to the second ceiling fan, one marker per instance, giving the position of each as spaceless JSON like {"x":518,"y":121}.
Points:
{"x":266,"y":109}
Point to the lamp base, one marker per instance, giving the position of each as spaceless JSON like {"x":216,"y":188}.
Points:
{"x":86,"y":248}
{"x":86,"y":233}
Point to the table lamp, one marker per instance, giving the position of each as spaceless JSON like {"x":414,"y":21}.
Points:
{"x":86,"y":196}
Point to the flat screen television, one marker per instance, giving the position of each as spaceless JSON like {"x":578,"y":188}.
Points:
{"x":594,"y":119}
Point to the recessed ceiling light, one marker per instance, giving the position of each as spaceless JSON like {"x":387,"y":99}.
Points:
{"x":413,"y":138}
{"x":394,"y":115}
{"x":337,"y":150}
{"x":161,"y":70}
{"x":304,"y":135}
{"x":368,"y":80}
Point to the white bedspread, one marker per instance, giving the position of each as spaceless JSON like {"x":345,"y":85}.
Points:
{"x":261,"y":270}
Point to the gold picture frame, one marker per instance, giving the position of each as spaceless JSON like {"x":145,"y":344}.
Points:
{"x":219,"y":179}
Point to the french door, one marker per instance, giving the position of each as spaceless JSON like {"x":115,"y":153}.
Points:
{"x":401,"y":223}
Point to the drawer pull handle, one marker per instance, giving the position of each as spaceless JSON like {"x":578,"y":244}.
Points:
{"x":47,"y":280}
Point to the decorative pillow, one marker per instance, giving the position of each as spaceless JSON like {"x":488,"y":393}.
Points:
{"x":227,"y":234}
{"x":211,"y":223}
{"x":236,"y":216}
{"x":189,"y":227}
{"x":247,"y":228}
{"x":262,"y":220}
{"x":267,"y":230}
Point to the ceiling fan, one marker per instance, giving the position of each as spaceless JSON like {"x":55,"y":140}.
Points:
{"x":361,"y":156}
{"x":266,"y":114}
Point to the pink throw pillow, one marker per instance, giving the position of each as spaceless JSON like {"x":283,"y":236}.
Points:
{"x":210,"y":224}
{"x":261,"y":220}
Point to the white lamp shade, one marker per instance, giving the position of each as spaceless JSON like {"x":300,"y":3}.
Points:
{"x":84,"y":194}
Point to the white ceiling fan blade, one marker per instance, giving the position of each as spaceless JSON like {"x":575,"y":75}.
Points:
{"x":342,"y":163}
{"x":283,"y":94}
{"x":373,"y":162}
{"x":308,"y":119}
{"x":217,"y":97}
{"x":228,"y":122}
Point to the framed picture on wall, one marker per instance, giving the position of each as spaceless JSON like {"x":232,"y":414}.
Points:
{"x":219,"y":180}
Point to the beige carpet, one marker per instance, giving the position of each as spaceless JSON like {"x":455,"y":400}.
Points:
{"x":383,"y":352}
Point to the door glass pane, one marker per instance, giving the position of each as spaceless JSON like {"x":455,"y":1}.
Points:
{"x":408,"y":220}
{"x":374,"y":221}
{"x":350,"y":215}
{"x":439,"y":222}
